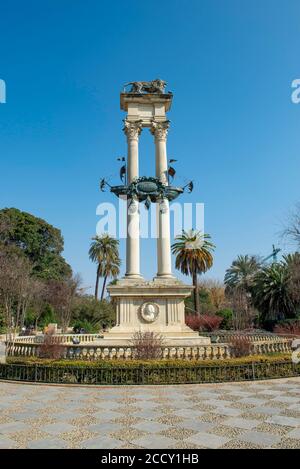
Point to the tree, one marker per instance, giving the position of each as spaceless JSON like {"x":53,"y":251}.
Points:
{"x":241,"y":272}
{"x":193,"y":251}
{"x":48,"y":314}
{"x":15,"y":270}
{"x":270,"y":292}
{"x":89,"y":311}
{"x":238,"y":280}
{"x":243,"y":311}
{"x":38,"y":302}
{"x":216,"y":292}
{"x":40,"y":242}
{"x":5,"y":225}
{"x":104,"y":250}
{"x":293,"y":265}
{"x":61,"y":295}
{"x":292,"y":229}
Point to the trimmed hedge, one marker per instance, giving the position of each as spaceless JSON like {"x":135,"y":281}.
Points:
{"x":275,"y":357}
{"x":148,"y":372}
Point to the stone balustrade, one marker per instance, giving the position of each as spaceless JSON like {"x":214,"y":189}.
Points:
{"x":99,"y":352}
{"x":30,"y":339}
{"x":225,"y":338}
{"x":59,"y":338}
{"x":281,"y":345}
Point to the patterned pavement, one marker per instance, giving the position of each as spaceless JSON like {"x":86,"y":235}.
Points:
{"x":263,"y":414}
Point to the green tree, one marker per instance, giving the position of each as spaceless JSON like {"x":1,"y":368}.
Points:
{"x":47,"y":316}
{"x":92,"y":314}
{"x":241,"y":272}
{"x":238,"y":281}
{"x":104,"y":250}
{"x":41,"y":243}
{"x":270,"y":292}
{"x":227,"y":315}
{"x":193,"y":251}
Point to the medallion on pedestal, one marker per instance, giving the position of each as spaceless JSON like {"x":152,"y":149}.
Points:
{"x":149,"y":312}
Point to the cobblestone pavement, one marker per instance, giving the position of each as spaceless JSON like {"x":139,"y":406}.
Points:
{"x":263,"y":414}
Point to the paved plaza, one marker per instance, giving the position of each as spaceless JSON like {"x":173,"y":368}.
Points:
{"x":264,"y":414}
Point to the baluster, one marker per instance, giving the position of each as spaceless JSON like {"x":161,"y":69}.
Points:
{"x":214,"y":352}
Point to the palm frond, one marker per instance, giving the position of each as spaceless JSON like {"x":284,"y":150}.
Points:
{"x":193,"y":251}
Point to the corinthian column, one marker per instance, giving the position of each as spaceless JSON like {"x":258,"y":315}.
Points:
{"x":132,"y":131}
{"x":164,"y":266}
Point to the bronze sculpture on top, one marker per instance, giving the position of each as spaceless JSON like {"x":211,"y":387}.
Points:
{"x":154,"y":86}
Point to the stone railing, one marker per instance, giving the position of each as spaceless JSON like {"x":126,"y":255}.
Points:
{"x":99,"y":352}
{"x":58,"y":339}
{"x":278,"y":345}
{"x":226,"y":338}
{"x":30,"y":339}
{"x":96,"y":352}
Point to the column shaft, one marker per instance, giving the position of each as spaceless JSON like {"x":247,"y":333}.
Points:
{"x":132,"y":130}
{"x":164,"y":264}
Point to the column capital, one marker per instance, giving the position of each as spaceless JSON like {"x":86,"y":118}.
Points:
{"x":160,"y":129}
{"x":132,"y":129}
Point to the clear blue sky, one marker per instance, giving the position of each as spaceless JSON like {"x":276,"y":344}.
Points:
{"x":235,"y":131}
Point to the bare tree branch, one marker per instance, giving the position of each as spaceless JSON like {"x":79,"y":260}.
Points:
{"x":292,"y":228}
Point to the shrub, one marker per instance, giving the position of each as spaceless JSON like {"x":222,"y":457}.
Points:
{"x":203,"y":322}
{"x":226,"y":314}
{"x":87,"y":326}
{"x":290,"y":328}
{"x":48,"y":316}
{"x":210,"y":323}
{"x":154,"y":363}
{"x":193,"y":322}
{"x":147,"y":345}
{"x":240,"y":346}
{"x":50,"y":349}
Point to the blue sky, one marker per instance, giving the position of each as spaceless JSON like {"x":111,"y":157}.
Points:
{"x":234,"y":130}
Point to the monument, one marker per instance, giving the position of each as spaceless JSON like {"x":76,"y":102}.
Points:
{"x":155,"y":305}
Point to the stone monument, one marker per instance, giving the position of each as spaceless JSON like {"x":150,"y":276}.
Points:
{"x":156,"y":305}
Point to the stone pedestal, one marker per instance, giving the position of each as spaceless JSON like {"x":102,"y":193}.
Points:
{"x":156,"y":306}
{"x":146,"y":107}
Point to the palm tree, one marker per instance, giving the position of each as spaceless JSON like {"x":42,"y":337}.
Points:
{"x":104,"y":250}
{"x":270,"y":292}
{"x":241,"y":272}
{"x":193,"y":252}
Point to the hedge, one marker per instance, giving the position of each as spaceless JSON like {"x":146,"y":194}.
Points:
{"x":275,"y":357}
{"x":148,"y":372}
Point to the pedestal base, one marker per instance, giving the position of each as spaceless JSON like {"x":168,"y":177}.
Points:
{"x":157,"y":306}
